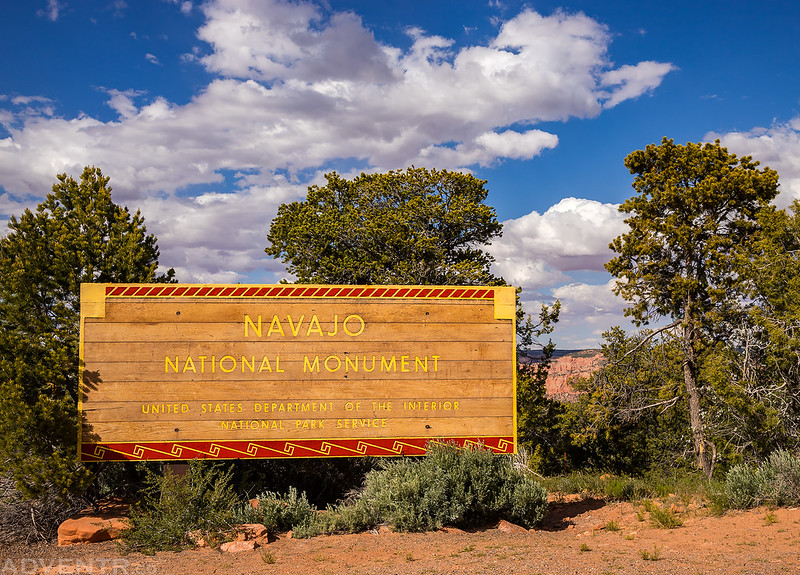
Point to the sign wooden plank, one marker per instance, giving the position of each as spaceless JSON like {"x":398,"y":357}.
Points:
{"x":229,"y":371}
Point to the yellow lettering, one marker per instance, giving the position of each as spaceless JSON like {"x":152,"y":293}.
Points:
{"x":278,"y":364}
{"x":189,"y":365}
{"x":168,"y":363}
{"x":232,"y":359}
{"x":295,"y":330}
{"x":338,"y":363}
{"x":335,"y":326}
{"x":308,"y":366}
{"x":349,"y":332}
{"x":419,"y":363}
{"x":388,"y":366}
{"x":348,"y":363}
{"x":404,"y":364}
{"x":275,"y":326}
{"x":251,"y":364}
{"x":249,"y":322}
{"x":265,"y":365}
{"x":314,"y":322}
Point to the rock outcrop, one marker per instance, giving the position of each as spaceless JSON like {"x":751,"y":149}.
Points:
{"x":106,"y":522}
{"x":567,"y":368}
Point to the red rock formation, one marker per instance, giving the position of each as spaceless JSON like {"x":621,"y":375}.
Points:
{"x":92,"y":527}
{"x":569,"y":367}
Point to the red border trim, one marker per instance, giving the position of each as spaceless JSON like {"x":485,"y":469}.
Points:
{"x":282,"y":449}
{"x":297,"y":291}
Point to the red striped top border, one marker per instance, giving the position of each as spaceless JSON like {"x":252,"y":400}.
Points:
{"x":299,"y":291}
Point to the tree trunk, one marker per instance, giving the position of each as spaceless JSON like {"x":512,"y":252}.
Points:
{"x":695,"y":417}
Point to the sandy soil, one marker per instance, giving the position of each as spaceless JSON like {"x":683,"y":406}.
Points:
{"x":578,"y":537}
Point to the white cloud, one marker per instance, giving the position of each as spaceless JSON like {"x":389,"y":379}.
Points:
{"x":590,"y":303}
{"x":777,"y":147}
{"x":587,"y":311}
{"x":627,"y":82}
{"x":52,"y":11}
{"x":296,"y":87}
{"x":573,"y":235}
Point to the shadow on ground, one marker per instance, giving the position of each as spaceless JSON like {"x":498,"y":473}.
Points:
{"x":560,"y":513}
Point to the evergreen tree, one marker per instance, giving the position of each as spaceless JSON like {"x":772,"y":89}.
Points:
{"x":694,"y":217}
{"x":415,"y":226}
{"x":77,"y":234}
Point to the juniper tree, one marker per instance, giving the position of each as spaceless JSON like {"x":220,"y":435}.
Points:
{"x":77,"y":234}
{"x":692,"y":221}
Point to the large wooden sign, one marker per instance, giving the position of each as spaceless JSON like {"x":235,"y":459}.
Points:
{"x":176,"y":371}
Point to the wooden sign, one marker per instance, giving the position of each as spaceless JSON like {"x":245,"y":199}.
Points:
{"x":177,"y":371}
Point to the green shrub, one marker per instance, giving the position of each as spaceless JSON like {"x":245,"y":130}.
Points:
{"x":785,"y":468}
{"x":451,"y":486}
{"x":745,"y":486}
{"x":278,"y":512}
{"x":775,"y":481}
{"x":664,"y":518}
{"x":175,"y":505}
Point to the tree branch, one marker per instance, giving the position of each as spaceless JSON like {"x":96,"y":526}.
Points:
{"x":648,"y":338}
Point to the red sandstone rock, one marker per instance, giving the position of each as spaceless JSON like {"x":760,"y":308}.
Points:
{"x":238,"y":546}
{"x":251,"y":530}
{"x":567,"y":368}
{"x":508,"y":527}
{"x":90,"y":529}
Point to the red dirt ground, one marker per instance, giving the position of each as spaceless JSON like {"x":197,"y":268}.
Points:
{"x":578,"y":536}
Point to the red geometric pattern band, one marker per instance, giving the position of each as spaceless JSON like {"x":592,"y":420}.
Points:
{"x":292,"y":291}
{"x":184,"y":450}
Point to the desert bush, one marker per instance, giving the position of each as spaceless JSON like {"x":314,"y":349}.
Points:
{"x":745,"y":486}
{"x":278,"y":512}
{"x":685,"y":485}
{"x":175,"y":505}
{"x":464,"y":487}
{"x":785,"y":468}
{"x":775,"y":481}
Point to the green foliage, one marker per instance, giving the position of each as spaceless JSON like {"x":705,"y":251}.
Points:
{"x":77,"y":234}
{"x":539,"y":429}
{"x":691,"y":226}
{"x":654,"y":485}
{"x":653,"y":555}
{"x":200,"y":501}
{"x":663,"y":518}
{"x":414,"y":226}
{"x":278,"y":512}
{"x":695,"y":212}
{"x":631,"y":416}
{"x":769,"y":337}
{"x":464,"y":487}
{"x":775,"y":481}
{"x":452,"y":486}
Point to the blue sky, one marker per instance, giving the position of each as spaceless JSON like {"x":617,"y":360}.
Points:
{"x":208,"y":115}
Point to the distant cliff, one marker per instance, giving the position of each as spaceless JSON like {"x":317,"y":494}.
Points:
{"x":565,"y":366}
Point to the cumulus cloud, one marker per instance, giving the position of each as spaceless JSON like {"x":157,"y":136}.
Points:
{"x":296,"y":87}
{"x":777,"y":147}
{"x":573,"y":235}
{"x":627,"y":82}
{"x":587,"y":311}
